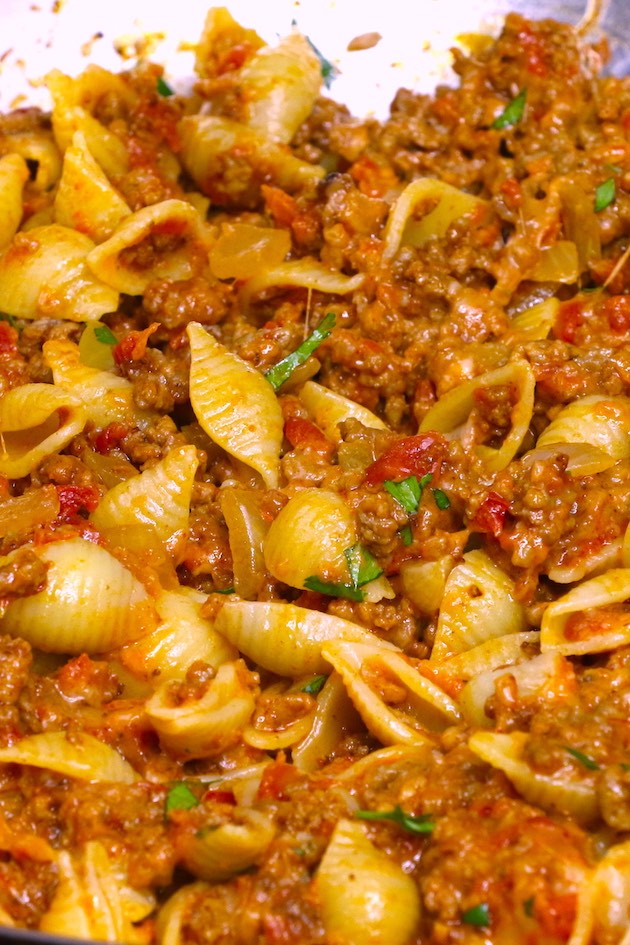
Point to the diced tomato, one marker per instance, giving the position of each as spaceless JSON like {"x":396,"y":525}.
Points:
{"x":220,"y":797}
{"x":282,"y":206}
{"x":490,"y":516}
{"x":410,"y":456}
{"x":109,"y":438}
{"x":134,"y":345}
{"x":534,"y":52}
{"x":276,"y":780}
{"x":73,"y":499}
{"x":304,"y":435}
{"x":570,"y":317}
{"x":617,"y":311}
{"x":372,"y":177}
{"x":512,"y":193}
{"x":8,"y":339}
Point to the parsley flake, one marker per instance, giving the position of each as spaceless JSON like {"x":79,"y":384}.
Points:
{"x":315,"y":685}
{"x":163,"y":88}
{"x":179,"y":797}
{"x":105,"y":335}
{"x":441,"y":499}
{"x":528,"y":907}
{"x":605,"y":195}
{"x":282,"y":371}
{"x":478,"y":915}
{"x":407,"y":492}
{"x":11,"y":319}
{"x":362,"y":566}
{"x":582,"y":758}
{"x":512,"y":113}
{"x":333,"y":588}
{"x":423,"y":823}
{"x":406,"y":535}
{"x":329,"y":71}
{"x":224,"y":590}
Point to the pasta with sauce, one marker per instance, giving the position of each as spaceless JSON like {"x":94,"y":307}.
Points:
{"x":315,"y":503}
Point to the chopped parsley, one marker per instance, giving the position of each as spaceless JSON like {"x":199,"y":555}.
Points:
{"x":180,"y":797}
{"x":329,"y":71}
{"x":407,"y":492}
{"x":528,"y":907}
{"x":11,"y":319}
{"x":105,"y":335}
{"x":441,"y":499}
{"x":315,"y":685}
{"x":406,"y":535}
{"x":224,"y":590}
{"x":163,"y":88}
{"x":604,"y":195}
{"x":478,"y":915}
{"x":512,"y":113}
{"x":423,"y":823}
{"x":363,"y":568}
{"x":582,"y":758}
{"x":282,"y":371}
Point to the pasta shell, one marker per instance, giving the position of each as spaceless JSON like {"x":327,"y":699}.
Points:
{"x":478,"y":605}
{"x":450,"y":413}
{"x":329,"y":409}
{"x":159,"y":497}
{"x":365,"y":897}
{"x":284,"y":638}
{"x":182,"y":637}
{"x":536,"y":322}
{"x":557,"y":263}
{"x":491,"y":654}
{"x":77,"y":755}
{"x":306,"y":273}
{"x":85,"y":199}
{"x":44,"y":274}
{"x":554,"y":793}
{"x":424,"y":582}
{"x":599,"y":422}
{"x":165,"y":240}
{"x":13,"y":176}
{"x":35,"y":421}
{"x":106,"y":397}
{"x":90,"y":604}
{"x":175,"y":911}
{"x":451,"y":205}
{"x":218,"y":853}
{"x":235,"y":405}
{"x":396,"y":703}
{"x":283,"y":715}
{"x":205,"y":726}
{"x":546,"y":672}
{"x":308,"y":538}
{"x":335,"y":716}
{"x":590,"y":618}
{"x":604,"y":900}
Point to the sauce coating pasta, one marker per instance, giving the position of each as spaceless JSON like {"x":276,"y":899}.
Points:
{"x":315,"y":503}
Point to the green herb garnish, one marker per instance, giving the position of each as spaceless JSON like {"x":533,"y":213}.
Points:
{"x":180,"y":797}
{"x":315,"y":685}
{"x":11,"y":319}
{"x":224,"y":590}
{"x":362,"y":566}
{"x":105,"y":335}
{"x":624,"y":766}
{"x":478,"y":915}
{"x":441,"y":499}
{"x":164,"y":88}
{"x":333,"y":588}
{"x":582,"y":758}
{"x":604,"y":195}
{"x":282,"y":371}
{"x":407,"y":492}
{"x":406,"y":535}
{"x":512,"y":113}
{"x":329,"y":71}
{"x":528,"y":907}
{"x":423,"y":823}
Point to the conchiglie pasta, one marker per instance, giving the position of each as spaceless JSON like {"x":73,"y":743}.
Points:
{"x":44,"y":274}
{"x":247,"y":528}
{"x":448,"y":204}
{"x":218,"y":853}
{"x":175,"y":912}
{"x":536,"y":322}
{"x":283,"y":715}
{"x":13,"y":176}
{"x":306,"y":273}
{"x":77,"y":755}
{"x":211,"y":143}
{"x":242,"y":249}
{"x":365,"y":897}
{"x":335,"y":716}
{"x":163,"y":241}
{"x":159,"y":497}
{"x":396,"y":703}
{"x":478,"y":604}
{"x":604,"y":900}
{"x":36,"y":420}
{"x":203,"y":726}
{"x":106,"y":397}
{"x":85,"y":199}
{"x":182,"y":637}
{"x":591,"y":618}
{"x":555,"y":793}
{"x":91,"y":602}
{"x":309,"y":537}
{"x":453,"y":412}
{"x":328,"y":409}
{"x":235,"y":405}
{"x":284,"y":638}
{"x":601,"y":423}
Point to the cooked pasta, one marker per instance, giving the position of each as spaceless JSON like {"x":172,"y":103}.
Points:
{"x":315,"y":502}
